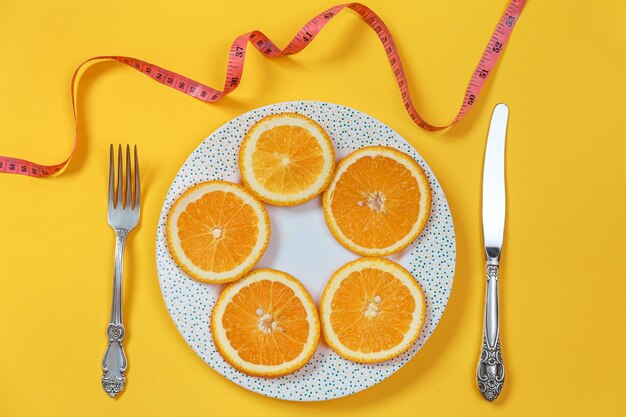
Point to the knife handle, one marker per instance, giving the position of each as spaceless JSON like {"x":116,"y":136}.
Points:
{"x":490,"y":372}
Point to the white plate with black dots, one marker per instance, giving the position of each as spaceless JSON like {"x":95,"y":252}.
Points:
{"x":302,"y":246}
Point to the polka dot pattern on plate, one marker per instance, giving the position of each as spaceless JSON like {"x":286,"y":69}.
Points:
{"x":431,"y":258}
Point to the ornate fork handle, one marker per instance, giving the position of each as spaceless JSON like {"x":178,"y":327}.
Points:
{"x":490,"y":372}
{"x":114,"y":360}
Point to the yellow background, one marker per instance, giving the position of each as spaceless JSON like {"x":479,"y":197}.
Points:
{"x":562,"y":285}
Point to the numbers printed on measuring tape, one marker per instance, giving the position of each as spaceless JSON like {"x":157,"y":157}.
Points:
{"x":298,"y":43}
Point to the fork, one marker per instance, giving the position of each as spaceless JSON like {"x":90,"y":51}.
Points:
{"x":123,"y":216}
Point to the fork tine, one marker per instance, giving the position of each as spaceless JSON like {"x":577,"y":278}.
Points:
{"x":128,"y":200}
{"x":120,"y":176}
{"x":111,"y":178}
{"x":137,"y":187}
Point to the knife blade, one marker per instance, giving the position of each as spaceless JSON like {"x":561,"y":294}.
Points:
{"x":490,"y":372}
{"x":494,"y":202}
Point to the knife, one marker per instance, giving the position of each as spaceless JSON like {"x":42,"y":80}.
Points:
{"x":490,"y":372}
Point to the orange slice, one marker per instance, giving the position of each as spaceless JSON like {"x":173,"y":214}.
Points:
{"x":378,"y":202}
{"x":372,"y":310}
{"x":286,"y":159}
{"x":217,"y":231}
{"x":266,"y":324}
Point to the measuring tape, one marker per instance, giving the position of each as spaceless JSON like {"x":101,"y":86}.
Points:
{"x":303,"y":38}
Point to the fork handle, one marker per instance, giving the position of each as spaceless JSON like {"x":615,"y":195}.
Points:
{"x":114,"y":360}
{"x":490,"y":372}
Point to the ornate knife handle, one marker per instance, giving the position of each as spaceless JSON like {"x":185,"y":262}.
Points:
{"x":490,"y":372}
{"x":114,"y":360}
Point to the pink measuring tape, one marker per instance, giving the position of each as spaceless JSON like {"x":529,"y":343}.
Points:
{"x":304,"y":36}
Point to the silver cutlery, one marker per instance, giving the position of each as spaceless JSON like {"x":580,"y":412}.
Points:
{"x":123,"y":216}
{"x":490,"y":372}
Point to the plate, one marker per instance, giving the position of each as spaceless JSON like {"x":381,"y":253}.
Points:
{"x":302,"y":245}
